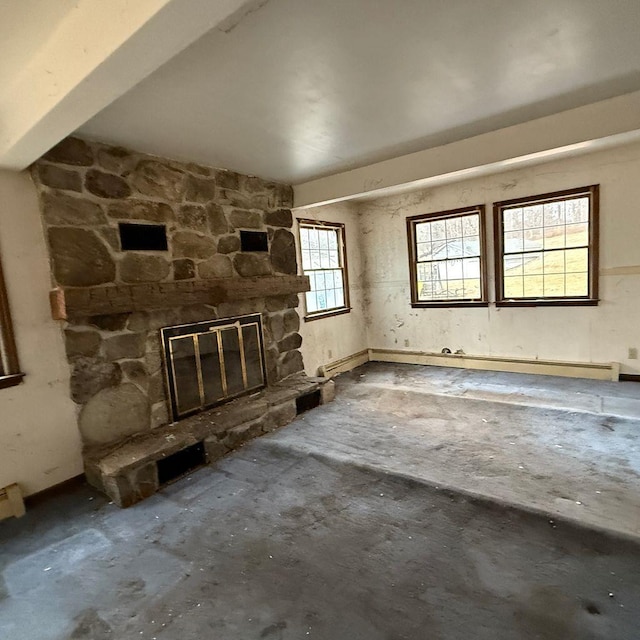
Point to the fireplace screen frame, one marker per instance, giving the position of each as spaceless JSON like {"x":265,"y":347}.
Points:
{"x":169,"y":336}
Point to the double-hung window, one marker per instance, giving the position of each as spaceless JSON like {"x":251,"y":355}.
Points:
{"x":546,"y":249}
{"x":323,"y":255}
{"x":447,"y":258}
{"x":9,"y":369}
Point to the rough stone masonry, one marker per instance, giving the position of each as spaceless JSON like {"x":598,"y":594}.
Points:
{"x":85,"y":190}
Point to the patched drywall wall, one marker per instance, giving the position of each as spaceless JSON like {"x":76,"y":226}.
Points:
{"x":329,"y":339}
{"x":583,"y":334}
{"x":39,"y":438}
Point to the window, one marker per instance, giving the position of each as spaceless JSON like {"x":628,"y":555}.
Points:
{"x":446,"y":258}
{"x":546,"y":248}
{"x":322,"y":249}
{"x":9,"y":370}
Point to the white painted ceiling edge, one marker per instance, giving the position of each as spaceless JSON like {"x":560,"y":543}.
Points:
{"x":602,"y":124}
{"x":95,"y":53}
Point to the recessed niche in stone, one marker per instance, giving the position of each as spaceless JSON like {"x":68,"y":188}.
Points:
{"x":308,"y":401}
{"x":180,"y":463}
{"x":142,"y":237}
{"x":254,"y":241}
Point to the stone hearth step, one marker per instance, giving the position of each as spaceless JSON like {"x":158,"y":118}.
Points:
{"x":129,"y":471}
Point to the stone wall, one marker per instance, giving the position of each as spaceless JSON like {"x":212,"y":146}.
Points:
{"x":85,"y":190}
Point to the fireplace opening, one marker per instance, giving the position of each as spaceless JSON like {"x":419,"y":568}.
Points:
{"x":208,"y":363}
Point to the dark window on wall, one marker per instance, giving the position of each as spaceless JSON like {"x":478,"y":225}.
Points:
{"x":323,"y":256}
{"x":447,"y":258}
{"x":546,"y":249}
{"x":9,"y":369}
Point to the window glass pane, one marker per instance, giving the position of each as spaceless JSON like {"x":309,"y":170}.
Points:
{"x":325,"y":261}
{"x":472,"y":288}
{"x":577,"y":260}
{"x":323,"y":239}
{"x":532,"y":217}
{"x":554,"y":237}
{"x":471,"y":225}
{"x":311,"y":302}
{"x":471,"y":246}
{"x":532,"y":263}
{"x":577,"y":235}
{"x":313,"y":239}
{"x":304,"y":238}
{"x":554,"y":285}
{"x":577,"y":284}
{"x":533,"y":239}
{"x":306,"y":259}
{"x":513,"y":265}
{"x":334,"y":259}
{"x":513,"y":287}
{"x":423,"y":232}
{"x":577,"y":210}
{"x":553,"y":214}
{"x":454,"y":248}
{"x":513,"y":241}
{"x":453,"y":227}
{"x":331,"y":298}
{"x":339,"y":298}
{"x":471,"y":268}
{"x":315,"y":260}
{"x":333,"y":241}
{"x":553,"y":262}
{"x":533,"y":286}
{"x":438,"y":230}
{"x":512,"y":219}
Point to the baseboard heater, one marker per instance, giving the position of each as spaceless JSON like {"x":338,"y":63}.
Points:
{"x":11,"y":502}
{"x":591,"y":370}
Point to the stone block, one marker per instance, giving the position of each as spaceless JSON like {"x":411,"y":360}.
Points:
{"x":214,"y":448}
{"x":328,"y":392}
{"x":290,"y":363}
{"x":187,"y":244}
{"x":110,"y":322}
{"x":137,"y":267}
{"x":115,"y":159}
{"x":158,"y":180}
{"x":62,"y":209}
{"x":200,"y":189}
{"x":240,"y":308}
{"x":217,"y":220}
{"x":244,"y":432}
{"x":279,"y":218}
{"x":56,"y":177}
{"x":127,"y":490}
{"x":82,"y":342}
{"x":135,"y":371}
{"x":114,"y":414}
{"x":283,"y":252}
{"x":282,"y":414}
{"x":275,"y":326}
{"x":91,"y":375}
{"x":156,"y":391}
{"x":292,"y":341}
{"x":291,"y":321}
{"x":228,"y":179}
{"x":228,"y":244}
{"x":141,"y":210}
{"x":252,"y":264}
{"x":80,"y":258}
{"x":216,"y":267}
{"x":244,"y":200}
{"x":184,"y":269}
{"x":125,"y":346}
{"x":241,"y":411}
{"x":106,"y":185}
{"x":159,"y":415}
{"x":240,"y":219}
{"x":71,"y":151}
{"x":110,"y":236}
{"x":276,"y":303}
{"x":192,"y":216}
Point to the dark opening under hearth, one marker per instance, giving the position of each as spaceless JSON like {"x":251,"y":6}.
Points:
{"x":177,"y":464}
{"x":308,"y":401}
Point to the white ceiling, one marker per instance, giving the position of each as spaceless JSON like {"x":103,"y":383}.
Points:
{"x":298,"y":89}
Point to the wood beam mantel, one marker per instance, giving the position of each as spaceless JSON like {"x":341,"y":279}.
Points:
{"x":71,"y":302}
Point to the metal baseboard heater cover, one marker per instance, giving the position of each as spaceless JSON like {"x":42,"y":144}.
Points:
{"x":208,"y":363}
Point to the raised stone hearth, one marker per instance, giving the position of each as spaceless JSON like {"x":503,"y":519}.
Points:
{"x":139,"y":243}
{"x":128,"y":472}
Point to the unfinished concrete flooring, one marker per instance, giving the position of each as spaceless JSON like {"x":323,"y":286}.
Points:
{"x":401,"y":510}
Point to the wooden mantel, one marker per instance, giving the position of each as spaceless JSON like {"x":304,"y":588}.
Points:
{"x":77,"y":302}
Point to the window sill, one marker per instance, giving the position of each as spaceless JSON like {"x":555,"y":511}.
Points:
{"x":327,"y":314}
{"x":11,"y":380}
{"x":562,"y":302}
{"x":449,"y":304}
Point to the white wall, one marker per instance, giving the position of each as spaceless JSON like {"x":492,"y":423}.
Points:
{"x":584,"y":334}
{"x":39,"y":439}
{"x":325,"y":340}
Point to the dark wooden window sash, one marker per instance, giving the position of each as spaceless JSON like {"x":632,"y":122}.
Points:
{"x":12,"y":375}
{"x":413,"y":260}
{"x":340,"y":227}
{"x":591,"y":299}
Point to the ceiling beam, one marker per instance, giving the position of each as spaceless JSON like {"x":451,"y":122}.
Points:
{"x":97,"y":52}
{"x":571,"y":132}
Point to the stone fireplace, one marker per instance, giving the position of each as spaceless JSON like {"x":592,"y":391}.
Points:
{"x":178,"y":289}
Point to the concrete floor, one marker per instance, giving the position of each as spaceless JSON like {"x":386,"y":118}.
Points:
{"x":401,"y":510}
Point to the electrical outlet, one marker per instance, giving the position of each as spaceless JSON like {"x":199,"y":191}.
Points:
{"x":633,"y":353}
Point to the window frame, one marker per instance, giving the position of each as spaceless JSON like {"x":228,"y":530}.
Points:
{"x":342,"y":255}
{"x":12,"y":375}
{"x":413,"y":257}
{"x":593,"y":247}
